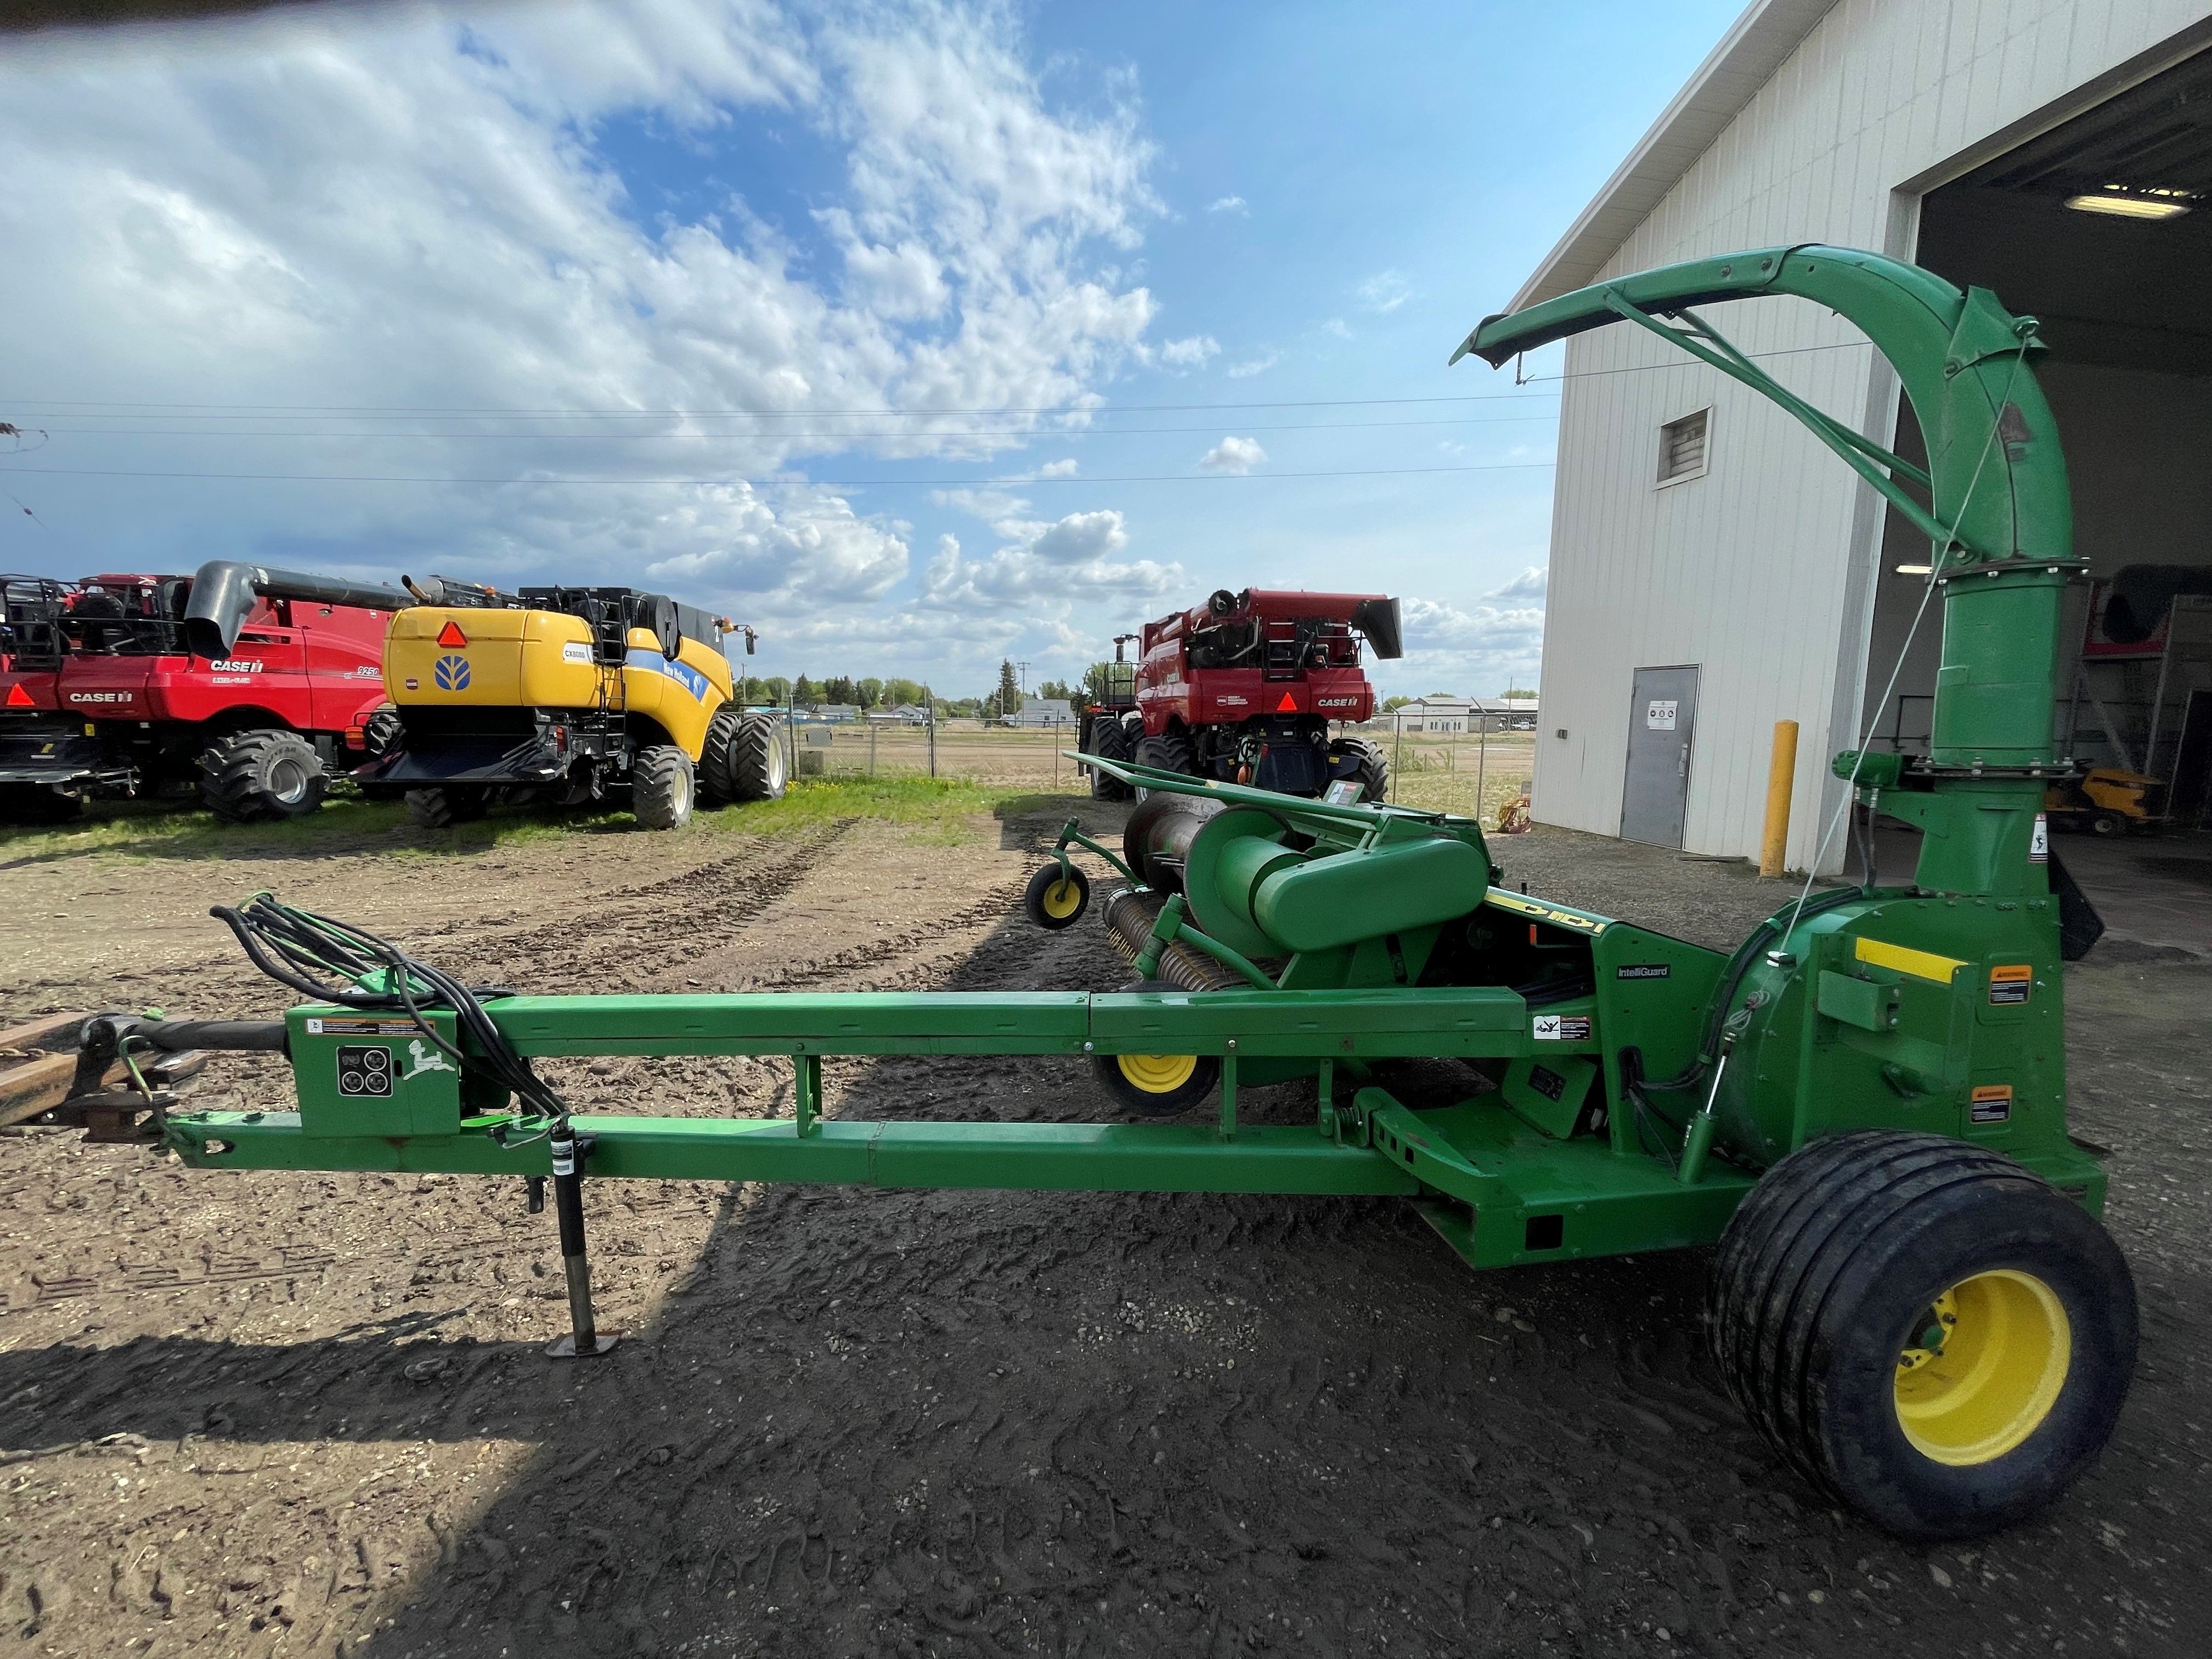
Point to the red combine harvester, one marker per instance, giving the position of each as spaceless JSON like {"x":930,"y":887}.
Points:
{"x":247,"y":682}
{"x":1242,"y":689}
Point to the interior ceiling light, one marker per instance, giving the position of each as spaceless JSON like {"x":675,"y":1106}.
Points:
{"x":2123,"y":203}
{"x":1914,"y":570}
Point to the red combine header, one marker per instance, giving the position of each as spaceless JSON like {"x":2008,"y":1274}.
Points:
{"x":1243,"y":688}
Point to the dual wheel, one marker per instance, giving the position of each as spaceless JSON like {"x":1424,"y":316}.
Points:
{"x":1925,"y":1329}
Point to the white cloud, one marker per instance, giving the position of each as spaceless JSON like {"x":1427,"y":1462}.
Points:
{"x":1191,"y":352}
{"x":1065,"y":468}
{"x":736,"y":547}
{"x":1229,"y":204}
{"x":1385,"y":291}
{"x":1498,"y":639}
{"x":1047,"y":568}
{"x":1233,"y":454}
{"x":1251,"y":366}
{"x":381,"y":210}
{"x":1335,"y":325}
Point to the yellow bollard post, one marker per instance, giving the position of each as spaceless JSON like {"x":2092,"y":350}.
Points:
{"x":1781,"y":776}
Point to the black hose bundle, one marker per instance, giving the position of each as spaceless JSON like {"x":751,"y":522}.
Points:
{"x":336,"y":962}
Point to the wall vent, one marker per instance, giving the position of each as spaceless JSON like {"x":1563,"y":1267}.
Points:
{"x":1682,"y":448}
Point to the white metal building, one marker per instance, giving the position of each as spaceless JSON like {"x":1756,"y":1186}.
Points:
{"x":1698,"y":529}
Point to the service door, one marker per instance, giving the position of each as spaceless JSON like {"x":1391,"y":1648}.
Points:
{"x":1662,"y":716}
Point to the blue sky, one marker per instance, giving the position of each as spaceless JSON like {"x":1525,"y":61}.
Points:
{"x":915,"y":334}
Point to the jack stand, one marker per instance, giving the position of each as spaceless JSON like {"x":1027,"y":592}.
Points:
{"x":585,"y":1341}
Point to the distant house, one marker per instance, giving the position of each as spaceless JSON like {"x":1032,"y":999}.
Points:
{"x":1436,"y":716}
{"x":907,"y":713}
{"x":1043,"y":711}
{"x":1456,"y":716}
{"x":837,"y":714}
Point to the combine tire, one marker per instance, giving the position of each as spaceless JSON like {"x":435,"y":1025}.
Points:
{"x":758,"y":769}
{"x":1925,"y":1328}
{"x":1054,"y":901}
{"x":1373,"y":772}
{"x":1110,"y":740}
{"x":250,"y":777}
{"x":1170,"y":751}
{"x":33,"y":803}
{"x":714,"y":756}
{"x":1157,"y":1085}
{"x":661,"y":787}
{"x":443,"y":808}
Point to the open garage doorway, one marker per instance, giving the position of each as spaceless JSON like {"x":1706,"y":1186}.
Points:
{"x":2102,"y":228}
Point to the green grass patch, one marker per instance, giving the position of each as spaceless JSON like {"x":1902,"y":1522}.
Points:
{"x":935,"y":808}
{"x":939,"y":808}
{"x":166,"y":829}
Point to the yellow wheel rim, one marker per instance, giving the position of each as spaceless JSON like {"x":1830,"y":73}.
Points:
{"x":1159,"y":1074}
{"x":1061,"y":900}
{"x":1984,"y":1367}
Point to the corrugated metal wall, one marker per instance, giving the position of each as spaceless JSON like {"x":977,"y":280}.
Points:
{"x":1757,"y":571}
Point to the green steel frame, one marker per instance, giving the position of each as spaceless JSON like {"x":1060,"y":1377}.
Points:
{"x":1642,"y":1082}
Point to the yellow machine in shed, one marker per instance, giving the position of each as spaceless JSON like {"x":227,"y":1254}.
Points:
{"x":566,"y":694}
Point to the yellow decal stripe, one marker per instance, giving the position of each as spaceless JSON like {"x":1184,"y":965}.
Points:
{"x":1921,"y":964}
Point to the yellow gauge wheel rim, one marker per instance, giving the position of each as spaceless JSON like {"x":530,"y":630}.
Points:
{"x":1063,"y":900}
{"x":1984,"y":1367}
{"x":1159,"y":1074}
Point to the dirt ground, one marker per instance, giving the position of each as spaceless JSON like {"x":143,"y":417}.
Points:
{"x":269,"y":1414}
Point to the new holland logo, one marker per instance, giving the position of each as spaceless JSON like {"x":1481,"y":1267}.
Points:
{"x":453,"y":673}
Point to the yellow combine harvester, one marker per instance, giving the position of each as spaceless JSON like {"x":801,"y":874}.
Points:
{"x":565,"y":696}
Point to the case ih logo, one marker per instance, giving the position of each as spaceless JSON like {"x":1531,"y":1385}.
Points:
{"x":453,"y":673}
{"x":100,"y":696}
{"x":1335,"y":702}
{"x":235,"y":665}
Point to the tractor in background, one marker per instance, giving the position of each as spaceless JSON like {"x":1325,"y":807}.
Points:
{"x":567,"y":696}
{"x":246,"y":682}
{"x":1242,"y":688}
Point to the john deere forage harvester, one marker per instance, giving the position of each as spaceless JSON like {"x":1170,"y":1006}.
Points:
{"x":1863,"y":1105}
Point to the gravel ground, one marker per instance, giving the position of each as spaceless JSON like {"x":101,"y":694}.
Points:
{"x":269,"y":1414}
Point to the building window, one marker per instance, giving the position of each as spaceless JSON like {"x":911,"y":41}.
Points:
{"x":1682,"y":449}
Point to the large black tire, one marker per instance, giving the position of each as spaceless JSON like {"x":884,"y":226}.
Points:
{"x":251,"y":777}
{"x":33,"y":803}
{"x":1110,"y":740}
{"x":714,"y":756}
{"x":758,"y":768}
{"x":1170,"y":751}
{"x":662,"y":788}
{"x":1373,"y":771}
{"x":1924,"y":1329}
{"x":444,"y":807}
{"x":1157,"y":1085}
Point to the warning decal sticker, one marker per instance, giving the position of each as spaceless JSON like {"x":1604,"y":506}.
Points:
{"x":2038,"y":844}
{"x":1546,"y":1082}
{"x":1560,"y":1028}
{"x":327,"y":1027}
{"x":2009,"y":982}
{"x":1992,"y":1103}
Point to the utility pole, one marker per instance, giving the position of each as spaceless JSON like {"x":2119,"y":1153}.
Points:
{"x":1024,"y":669}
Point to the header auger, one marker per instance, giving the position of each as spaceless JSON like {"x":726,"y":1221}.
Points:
{"x":1863,"y":1105}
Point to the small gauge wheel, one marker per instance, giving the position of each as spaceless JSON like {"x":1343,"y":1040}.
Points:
{"x":1056,"y":901}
